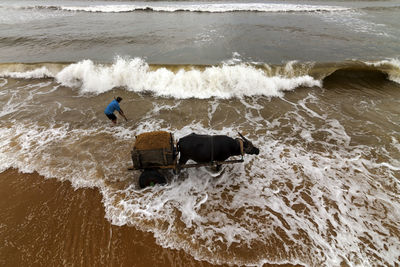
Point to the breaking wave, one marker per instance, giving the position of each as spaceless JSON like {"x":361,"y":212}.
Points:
{"x":196,"y":7}
{"x":190,"y":81}
{"x":225,"y":81}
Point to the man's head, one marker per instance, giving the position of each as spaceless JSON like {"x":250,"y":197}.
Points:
{"x":119,"y":99}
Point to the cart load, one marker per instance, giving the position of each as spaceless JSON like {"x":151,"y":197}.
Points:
{"x":154,"y":150}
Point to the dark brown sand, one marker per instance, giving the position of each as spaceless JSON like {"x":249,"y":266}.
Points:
{"x":45,"y":222}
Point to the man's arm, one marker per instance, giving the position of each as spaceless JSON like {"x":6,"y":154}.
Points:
{"x":122,"y":114}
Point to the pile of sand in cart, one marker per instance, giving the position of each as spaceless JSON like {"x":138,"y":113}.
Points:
{"x":153,"y":140}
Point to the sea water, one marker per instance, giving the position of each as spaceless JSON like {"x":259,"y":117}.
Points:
{"x":313,"y":84}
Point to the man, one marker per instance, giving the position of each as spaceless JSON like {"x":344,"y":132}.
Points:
{"x":114,"y":105}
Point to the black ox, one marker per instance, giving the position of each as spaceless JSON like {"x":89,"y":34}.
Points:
{"x":209,"y":148}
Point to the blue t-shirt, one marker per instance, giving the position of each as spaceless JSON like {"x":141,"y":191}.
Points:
{"x":114,"y":105}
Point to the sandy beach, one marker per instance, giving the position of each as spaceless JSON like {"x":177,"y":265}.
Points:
{"x":69,"y":229}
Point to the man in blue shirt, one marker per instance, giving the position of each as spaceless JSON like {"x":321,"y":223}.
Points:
{"x":114,"y":105}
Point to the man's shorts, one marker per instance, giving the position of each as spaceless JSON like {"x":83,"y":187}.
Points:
{"x":111,"y":116}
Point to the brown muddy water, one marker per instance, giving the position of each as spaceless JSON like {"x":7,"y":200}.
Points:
{"x":323,"y":190}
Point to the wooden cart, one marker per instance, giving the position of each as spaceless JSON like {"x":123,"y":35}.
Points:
{"x":154,"y":151}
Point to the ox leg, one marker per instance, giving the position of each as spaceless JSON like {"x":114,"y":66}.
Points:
{"x":182,"y":161}
{"x":216,"y":167}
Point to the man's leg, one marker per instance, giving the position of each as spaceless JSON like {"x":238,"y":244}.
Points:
{"x":112,"y":117}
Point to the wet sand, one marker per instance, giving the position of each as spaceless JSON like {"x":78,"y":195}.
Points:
{"x":45,"y":222}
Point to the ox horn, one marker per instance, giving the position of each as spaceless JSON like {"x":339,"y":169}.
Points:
{"x":244,"y":138}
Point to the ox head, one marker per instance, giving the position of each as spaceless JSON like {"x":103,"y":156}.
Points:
{"x":248,"y":146}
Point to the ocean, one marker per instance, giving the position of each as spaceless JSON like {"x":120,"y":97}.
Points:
{"x":315,"y":85}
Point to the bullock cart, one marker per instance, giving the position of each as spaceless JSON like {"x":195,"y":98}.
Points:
{"x":155,"y":151}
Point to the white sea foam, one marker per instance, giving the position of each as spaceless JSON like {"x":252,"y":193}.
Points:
{"x":352,"y":20}
{"x":19,"y":98}
{"x":236,"y":58}
{"x":218,"y":81}
{"x":3,"y":82}
{"x":38,"y":73}
{"x":232,"y":79}
{"x":14,"y":13}
{"x":31,"y":147}
{"x":226,"y":81}
{"x":206,"y":7}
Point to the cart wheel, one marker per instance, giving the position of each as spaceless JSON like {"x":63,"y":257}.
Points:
{"x":150,"y":178}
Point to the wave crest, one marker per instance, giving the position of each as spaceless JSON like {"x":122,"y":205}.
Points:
{"x":228,"y":80}
{"x":198,"y":7}
{"x":216,"y":81}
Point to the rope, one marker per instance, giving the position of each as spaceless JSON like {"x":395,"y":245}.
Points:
{"x":212,"y":148}
{"x":241,"y":146}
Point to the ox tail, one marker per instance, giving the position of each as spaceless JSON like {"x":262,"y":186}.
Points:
{"x":177,"y":150}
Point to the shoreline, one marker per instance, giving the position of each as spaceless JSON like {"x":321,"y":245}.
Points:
{"x":47,"y":222}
